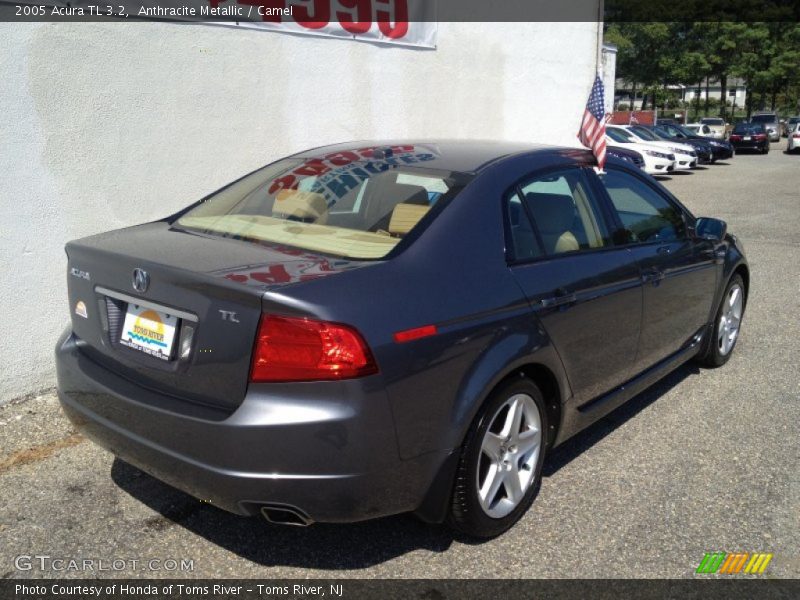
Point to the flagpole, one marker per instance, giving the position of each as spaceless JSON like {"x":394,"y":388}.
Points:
{"x":599,"y":54}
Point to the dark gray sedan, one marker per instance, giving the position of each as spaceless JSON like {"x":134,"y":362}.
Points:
{"x":373,"y":328}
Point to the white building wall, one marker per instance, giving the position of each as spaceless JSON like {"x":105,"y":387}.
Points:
{"x":609,"y":74}
{"x":108,"y":125}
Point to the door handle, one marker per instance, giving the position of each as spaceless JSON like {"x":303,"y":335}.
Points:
{"x":562,"y":298}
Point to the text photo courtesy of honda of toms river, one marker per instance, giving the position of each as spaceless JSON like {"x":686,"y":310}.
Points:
{"x":369,"y":329}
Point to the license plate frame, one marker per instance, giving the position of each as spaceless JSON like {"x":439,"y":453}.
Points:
{"x":149,"y":331}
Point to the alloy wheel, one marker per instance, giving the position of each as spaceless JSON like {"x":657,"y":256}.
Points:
{"x":509,"y":454}
{"x":730,"y":319}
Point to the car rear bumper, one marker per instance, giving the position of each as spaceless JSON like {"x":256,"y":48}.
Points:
{"x":750,"y":145}
{"x":328,"y":449}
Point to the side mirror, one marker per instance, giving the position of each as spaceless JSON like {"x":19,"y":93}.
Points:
{"x":709,"y":228}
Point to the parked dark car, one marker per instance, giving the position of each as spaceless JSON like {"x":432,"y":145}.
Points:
{"x":749,"y":136}
{"x":720,"y":149}
{"x":372,"y":328}
{"x":629,"y":156}
{"x":704,"y":152}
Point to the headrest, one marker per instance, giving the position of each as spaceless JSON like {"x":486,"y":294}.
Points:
{"x":406,"y":193}
{"x":405,"y":216}
{"x":298,"y":204}
{"x":554,"y":213}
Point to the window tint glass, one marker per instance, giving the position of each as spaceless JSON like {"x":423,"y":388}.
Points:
{"x":565,"y":215}
{"x":645,"y":134}
{"x":524,"y":244}
{"x":355,"y":204}
{"x":747,"y":128}
{"x":645,"y":213}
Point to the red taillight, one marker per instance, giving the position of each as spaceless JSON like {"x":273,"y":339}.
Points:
{"x":736,"y":138}
{"x":760,"y":136}
{"x":796,"y":135}
{"x":291,"y":349}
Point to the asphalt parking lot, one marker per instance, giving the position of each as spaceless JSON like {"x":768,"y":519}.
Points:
{"x":707,"y":460}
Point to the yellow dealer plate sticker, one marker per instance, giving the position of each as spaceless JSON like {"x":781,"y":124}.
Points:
{"x":149,"y":331}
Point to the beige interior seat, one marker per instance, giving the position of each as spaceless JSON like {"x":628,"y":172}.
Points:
{"x":297,"y":205}
{"x":554,"y":215}
{"x":405,"y":216}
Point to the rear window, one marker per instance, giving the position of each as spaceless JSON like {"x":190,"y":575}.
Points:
{"x":764,"y":118}
{"x":709,"y":121}
{"x":353,"y":204}
{"x":748,"y":128}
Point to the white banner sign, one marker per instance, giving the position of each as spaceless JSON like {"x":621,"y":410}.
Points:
{"x":406,"y":22}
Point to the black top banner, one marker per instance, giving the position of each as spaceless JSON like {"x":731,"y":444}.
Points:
{"x":610,"y":11}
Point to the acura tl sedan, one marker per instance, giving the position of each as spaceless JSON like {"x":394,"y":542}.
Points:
{"x":368,"y":329}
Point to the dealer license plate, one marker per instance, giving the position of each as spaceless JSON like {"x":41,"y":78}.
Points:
{"x":149,"y":331}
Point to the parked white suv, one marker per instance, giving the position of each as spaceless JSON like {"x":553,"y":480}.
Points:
{"x":716,"y":127}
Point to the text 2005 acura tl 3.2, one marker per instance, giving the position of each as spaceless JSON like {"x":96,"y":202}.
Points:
{"x":367,"y":329}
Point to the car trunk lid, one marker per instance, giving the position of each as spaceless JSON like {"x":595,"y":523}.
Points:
{"x":177,"y":312}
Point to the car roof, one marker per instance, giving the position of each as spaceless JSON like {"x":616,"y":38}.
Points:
{"x":465,"y":156}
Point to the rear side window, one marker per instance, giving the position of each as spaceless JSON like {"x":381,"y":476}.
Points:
{"x":646,"y":215}
{"x":565,"y":216}
{"x":524,"y":243}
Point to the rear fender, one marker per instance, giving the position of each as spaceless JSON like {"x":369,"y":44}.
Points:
{"x":524,"y":344}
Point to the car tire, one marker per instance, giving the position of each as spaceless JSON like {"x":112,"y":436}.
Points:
{"x":485,"y":511}
{"x":726,"y":326}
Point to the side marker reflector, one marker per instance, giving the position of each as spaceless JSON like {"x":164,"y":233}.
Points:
{"x":414,"y":334}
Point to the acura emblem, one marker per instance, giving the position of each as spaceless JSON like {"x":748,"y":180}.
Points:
{"x":141,"y":280}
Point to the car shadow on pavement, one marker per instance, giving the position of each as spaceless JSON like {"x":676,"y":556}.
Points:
{"x":320,"y":546}
{"x":587,"y":438}
{"x":346,"y":546}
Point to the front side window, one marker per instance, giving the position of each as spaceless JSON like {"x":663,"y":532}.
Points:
{"x":646,"y":215}
{"x":566,"y":217}
{"x":354,"y":204}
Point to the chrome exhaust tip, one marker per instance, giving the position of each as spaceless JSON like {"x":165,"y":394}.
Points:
{"x":285,"y":515}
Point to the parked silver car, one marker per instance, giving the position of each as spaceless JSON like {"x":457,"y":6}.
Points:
{"x":770,"y":122}
{"x":792,"y":124}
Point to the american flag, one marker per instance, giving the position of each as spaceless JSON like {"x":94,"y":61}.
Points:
{"x":593,"y":127}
